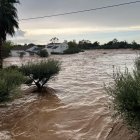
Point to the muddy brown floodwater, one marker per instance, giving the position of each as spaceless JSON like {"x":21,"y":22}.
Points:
{"x":79,"y":108}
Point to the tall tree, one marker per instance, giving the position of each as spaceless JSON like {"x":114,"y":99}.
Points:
{"x":8,"y":22}
{"x":54,"y":40}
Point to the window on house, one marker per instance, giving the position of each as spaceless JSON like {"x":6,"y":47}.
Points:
{"x":55,"y":47}
{"x":49,"y":46}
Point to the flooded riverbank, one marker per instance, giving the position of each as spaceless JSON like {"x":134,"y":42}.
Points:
{"x":79,"y":108}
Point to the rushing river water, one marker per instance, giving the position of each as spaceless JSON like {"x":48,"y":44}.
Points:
{"x":79,"y":109}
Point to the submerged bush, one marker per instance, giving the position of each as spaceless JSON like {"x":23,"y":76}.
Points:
{"x":40,"y":73}
{"x":9,"y":81}
{"x":7,"y":46}
{"x":72,"y":50}
{"x":126,"y":96}
{"x":43,"y":53}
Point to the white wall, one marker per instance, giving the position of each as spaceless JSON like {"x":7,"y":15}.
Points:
{"x":16,"y":53}
{"x":61,"y":48}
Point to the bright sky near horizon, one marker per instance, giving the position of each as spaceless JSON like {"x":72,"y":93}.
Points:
{"x":104,"y":25}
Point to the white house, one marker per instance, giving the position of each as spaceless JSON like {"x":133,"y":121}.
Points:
{"x":57,"y":48}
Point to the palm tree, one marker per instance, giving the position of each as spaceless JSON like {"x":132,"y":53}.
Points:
{"x":8,"y":22}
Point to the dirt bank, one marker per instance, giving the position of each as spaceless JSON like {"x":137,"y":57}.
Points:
{"x":121,"y":132}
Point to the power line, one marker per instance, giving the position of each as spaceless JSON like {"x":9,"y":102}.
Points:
{"x":81,"y":11}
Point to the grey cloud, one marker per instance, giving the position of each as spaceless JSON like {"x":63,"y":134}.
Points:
{"x":119,"y":16}
{"x":20,"y":33}
{"x":123,"y":16}
{"x":23,"y":41}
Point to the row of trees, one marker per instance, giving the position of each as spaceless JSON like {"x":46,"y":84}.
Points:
{"x":82,"y":45}
{"x":114,"y":44}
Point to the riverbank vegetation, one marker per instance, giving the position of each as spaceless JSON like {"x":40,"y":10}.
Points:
{"x":125,"y":96}
{"x":73,"y":48}
{"x":43,"y":53}
{"x":7,"y":46}
{"x":31,"y":74}
{"x":114,"y":44}
{"x":10,"y":80}
{"x":82,"y":45}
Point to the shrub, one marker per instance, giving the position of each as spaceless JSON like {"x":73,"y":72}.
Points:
{"x":43,"y":53}
{"x":21,"y":54}
{"x":135,"y":45}
{"x":12,"y":67}
{"x":40,"y":73}
{"x":7,"y":46}
{"x":126,"y":96}
{"x":72,"y":50}
{"x":9,"y":81}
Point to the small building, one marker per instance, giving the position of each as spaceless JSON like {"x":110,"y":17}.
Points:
{"x":24,"y":51}
{"x":19,"y":50}
{"x":34,"y":50}
{"x":56,"y":48}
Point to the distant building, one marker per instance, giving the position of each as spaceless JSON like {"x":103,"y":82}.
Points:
{"x":34,"y":49}
{"x":56,"y":48}
{"x":24,"y":50}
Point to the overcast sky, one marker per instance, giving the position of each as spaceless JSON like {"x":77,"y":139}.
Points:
{"x":104,"y":25}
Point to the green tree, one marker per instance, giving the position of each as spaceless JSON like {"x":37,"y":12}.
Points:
{"x":21,"y":54}
{"x":73,"y":48}
{"x":41,"y":72}
{"x":43,"y":53}
{"x":96,"y":44}
{"x":135,"y":45}
{"x":8,"y":22}
{"x":54,"y":40}
{"x":85,"y":44}
{"x":72,"y":44}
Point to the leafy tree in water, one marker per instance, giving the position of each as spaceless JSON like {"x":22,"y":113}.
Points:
{"x":73,"y":48}
{"x":43,"y":53}
{"x":41,"y":72}
{"x":8,"y":22}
